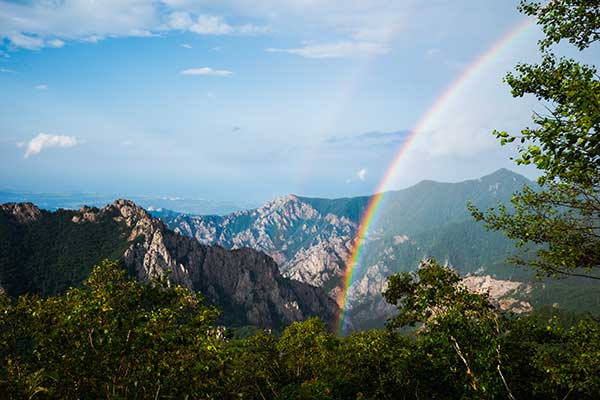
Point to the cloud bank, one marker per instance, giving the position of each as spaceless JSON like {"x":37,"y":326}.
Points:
{"x":36,"y":24}
{"x":362,"y":28}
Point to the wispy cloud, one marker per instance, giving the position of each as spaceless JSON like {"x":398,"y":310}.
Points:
{"x":362,"y":174}
{"x":41,"y":87}
{"x":206,"y":71}
{"x":25,"y":41}
{"x":346,"y":49}
{"x":433,"y":52}
{"x":31,"y":42}
{"x":187,"y":46}
{"x":6,"y":71}
{"x":44,"y":141}
{"x":373,"y":137}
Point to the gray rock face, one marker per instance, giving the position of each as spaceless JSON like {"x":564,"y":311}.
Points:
{"x":243,"y":282}
{"x":308,"y":245}
{"x":506,"y":295}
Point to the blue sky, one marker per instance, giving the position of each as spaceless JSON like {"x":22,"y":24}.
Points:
{"x":247,"y":100}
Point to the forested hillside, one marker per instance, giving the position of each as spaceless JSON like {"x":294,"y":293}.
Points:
{"x":46,"y":253}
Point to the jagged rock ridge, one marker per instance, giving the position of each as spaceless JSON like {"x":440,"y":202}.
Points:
{"x":245,"y":283}
{"x":308,"y":245}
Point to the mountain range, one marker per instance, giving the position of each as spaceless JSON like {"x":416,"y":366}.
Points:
{"x":45,"y":253}
{"x":311,"y":238}
{"x":285,"y":260}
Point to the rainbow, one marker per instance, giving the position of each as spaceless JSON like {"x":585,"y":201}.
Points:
{"x":370,"y":213}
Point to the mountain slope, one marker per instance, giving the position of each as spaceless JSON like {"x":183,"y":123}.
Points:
{"x":311,"y":238}
{"x":289,"y":229}
{"x":44,"y":252}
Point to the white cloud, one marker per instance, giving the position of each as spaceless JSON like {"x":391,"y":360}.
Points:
{"x":6,"y":70}
{"x":30,"y":42}
{"x":350,"y":49}
{"x":186,"y":45}
{"x":51,"y":23}
{"x":180,"y":20}
{"x":362,"y":174}
{"x":250,"y":29}
{"x":44,"y":140}
{"x":92,"y":38}
{"x":34,"y":24}
{"x":206,"y":71}
{"x":210,"y":25}
{"x":41,"y":87}
{"x":55,"y":43}
{"x":26,"y":42}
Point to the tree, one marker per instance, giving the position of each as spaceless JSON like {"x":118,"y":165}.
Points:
{"x":560,"y":222}
{"x":459,"y":333}
{"x":112,"y":338}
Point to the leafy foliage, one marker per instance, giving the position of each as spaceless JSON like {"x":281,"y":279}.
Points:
{"x":562,"y":219}
{"x":574,"y":20}
{"x":113,"y":338}
{"x":121,"y":339}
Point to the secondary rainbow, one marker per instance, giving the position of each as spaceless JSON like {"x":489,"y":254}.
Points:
{"x":369,"y":215}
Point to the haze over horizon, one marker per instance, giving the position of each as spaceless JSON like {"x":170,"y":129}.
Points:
{"x":245,"y":102}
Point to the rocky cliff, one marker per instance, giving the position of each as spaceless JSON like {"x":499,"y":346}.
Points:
{"x":309,"y":245}
{"x":311,"y":239}
{"x":246,"y":284}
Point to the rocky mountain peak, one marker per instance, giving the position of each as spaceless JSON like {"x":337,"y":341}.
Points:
{"x":22,"y":212}
{"x":288,"y":198}
{"x":129,"y":211}
{"x":280,"y":203}
{"x":289,"y":207}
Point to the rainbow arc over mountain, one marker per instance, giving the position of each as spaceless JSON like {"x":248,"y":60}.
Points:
{"x":375,"y":201}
